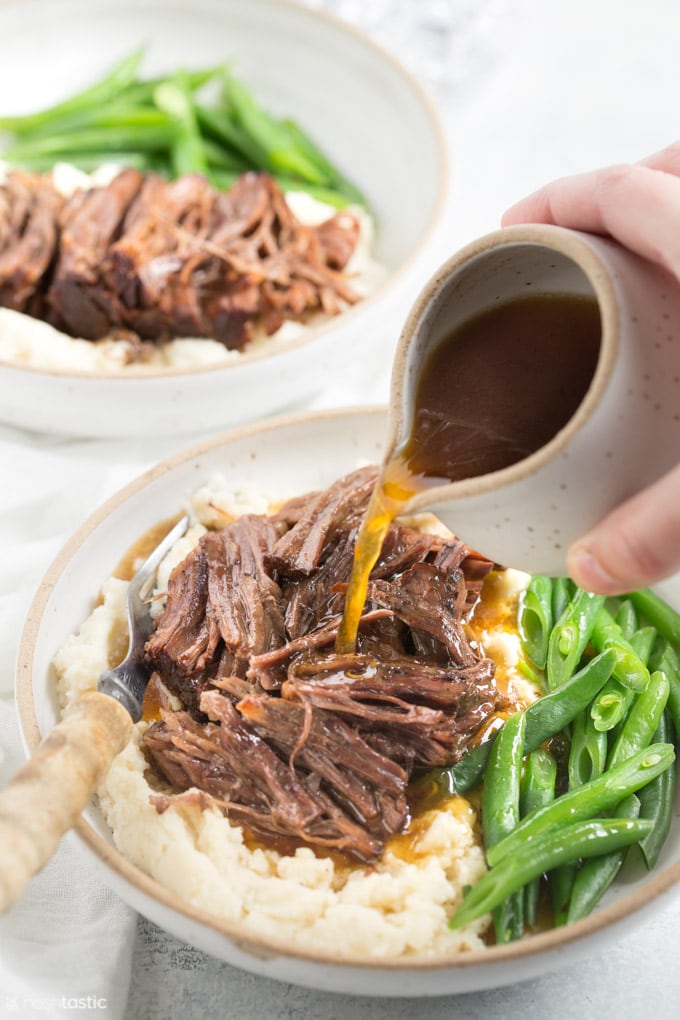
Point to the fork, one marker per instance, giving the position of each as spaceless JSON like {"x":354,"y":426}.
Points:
{"x":127,"y":681}
{"x":47,"y":794}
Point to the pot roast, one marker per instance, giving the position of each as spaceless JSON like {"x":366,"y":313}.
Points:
{"x":295,"y":741}
{"x":148,"y":260}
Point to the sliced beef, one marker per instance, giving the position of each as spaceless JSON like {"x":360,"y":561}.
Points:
{"x":222,"y":607}
{"x":292,"y":739}
{"x":78,"y":299}
{"x":29,"y":211}
{"x":153,"y":260}
{"x":230,"y":762}
{"x":244,"y":600}
{"x":150,"y":265}
{"x":432,"y":602}
{"x":261,"y":667}
{"x":185,"y":638}
{"x":406,"y":698}
{"x":338,"y":238}
{"x":298,"y":551}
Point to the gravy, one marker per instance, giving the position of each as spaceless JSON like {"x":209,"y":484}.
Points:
{"x":496,"y":389}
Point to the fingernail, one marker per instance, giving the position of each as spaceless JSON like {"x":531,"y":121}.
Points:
{"x":589,"y":573}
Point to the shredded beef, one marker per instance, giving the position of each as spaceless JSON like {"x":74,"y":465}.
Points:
{"x":149,"y":260}
{"x":292,"y":739}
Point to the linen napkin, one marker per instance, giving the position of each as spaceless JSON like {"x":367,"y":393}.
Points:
{"x":65,"y":947}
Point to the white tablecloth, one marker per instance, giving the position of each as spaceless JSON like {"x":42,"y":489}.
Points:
{"x":528,"y":91}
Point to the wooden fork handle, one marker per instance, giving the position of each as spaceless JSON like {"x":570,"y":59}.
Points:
{"x":43,"y":800}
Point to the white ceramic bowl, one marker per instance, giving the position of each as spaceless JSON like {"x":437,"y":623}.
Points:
{"x":294,"y":454}
{"x":367,"y":113}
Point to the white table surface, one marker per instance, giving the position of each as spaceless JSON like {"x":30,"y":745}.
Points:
{"x":539,"y":89}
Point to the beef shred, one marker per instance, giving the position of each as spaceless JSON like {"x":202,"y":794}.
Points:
{"x":296,"y":741}
{"x":147,"y":260}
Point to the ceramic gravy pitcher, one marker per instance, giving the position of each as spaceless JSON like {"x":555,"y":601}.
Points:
{"x":625,"y":431}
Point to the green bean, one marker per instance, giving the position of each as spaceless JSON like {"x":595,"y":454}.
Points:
{"x":220,"y":158}
{"x":104,"y":140}
{"x":665,"y":658}
{"x":642,"y":642}
{"x":187,"y":150}
{"x":222,"y":179}
{"x":561,"y":882}
{"x":336,"y":178}
{"x":549,"y":850}
{"x":588,"y":750}
{"x":628,"y":668}
{"x":597,"y":874}
{"x":281,"y":154}
{"x":89,"y":161}
{"x":658,"y":612}
{"x":95,"y":96}
{"x":537,"y":789}
{"x":570,"y":635}
{"x":500,"y":812}
{"x":158,"y":121}
{"x":614,"y":700}
{"x":141,"y":91}
{"x":535,"y":619}
{"x":117,"y":114}
{"x":537,"y":786}
{"x":325,"y":195}
{"x":550,"y":714}
{"x":657,"y":799}
{"x":217,"y":124}
{"x":587,"y":757}
{"x":466,"y":774}
{"x":642,"y":720}
{"x":546,"y":716}
{"x":563,"y":589}
{"x":626,"y":618}
{"x":500,"y":799}
{"x":611,"y":705}
{"x":586,"y":801}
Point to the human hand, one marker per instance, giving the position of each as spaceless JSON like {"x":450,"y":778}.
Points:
{"x":638,"y":205}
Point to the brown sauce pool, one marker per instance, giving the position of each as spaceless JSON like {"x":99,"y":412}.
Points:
{"x":143,"y":547}
{"x":499,"y":387}
{"x":125,"y":570}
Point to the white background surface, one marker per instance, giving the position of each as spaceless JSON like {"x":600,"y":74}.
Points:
{"x":533,"y":89}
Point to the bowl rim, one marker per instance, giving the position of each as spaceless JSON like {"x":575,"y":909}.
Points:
{"x":255,"y":945}
{"x":313,"y":332}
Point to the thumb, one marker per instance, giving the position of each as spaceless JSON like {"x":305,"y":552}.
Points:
{"x":635,"y":545}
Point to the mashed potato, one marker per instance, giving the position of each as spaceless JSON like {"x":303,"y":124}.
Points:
{"x":396,"y":908}
{"x":31,"y":343}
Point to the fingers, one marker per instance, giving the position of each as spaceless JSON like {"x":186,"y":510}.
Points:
{"x":637,"y":205}
{"x":667,"y":159}
{"x":572,"y":201}
{"x":634,"y":546}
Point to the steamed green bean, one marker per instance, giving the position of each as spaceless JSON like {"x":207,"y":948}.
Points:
{"x":601,"y":794}
{"x":535,"y":619}
{"x":500,"y":812}
{"x":163,"y":123}
{"x":556,"y":847}
{"x":596,"y":874}
{"x":570,"y":635}
{"x":537,"y":789}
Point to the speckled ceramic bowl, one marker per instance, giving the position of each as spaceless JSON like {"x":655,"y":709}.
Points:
{"x":366,"y":112}
{"x":294,"y":454}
